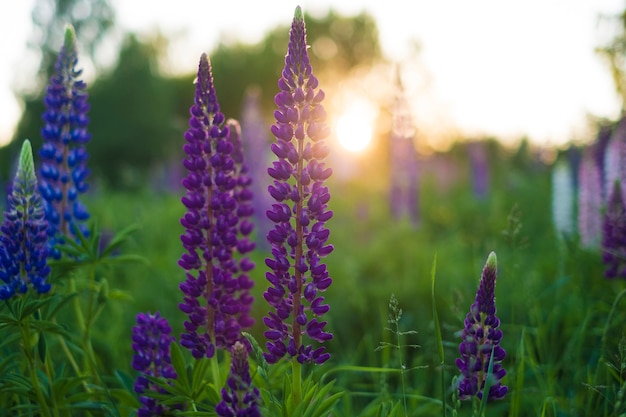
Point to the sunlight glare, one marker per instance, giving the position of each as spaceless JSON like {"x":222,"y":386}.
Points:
{"x":354,"y":127}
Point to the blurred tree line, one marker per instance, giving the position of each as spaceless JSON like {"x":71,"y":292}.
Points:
{"x":139,"y":115}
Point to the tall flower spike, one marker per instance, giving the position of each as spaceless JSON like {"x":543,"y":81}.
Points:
{"x":563,"y":198}
{"x":404,"y":188}
{"x":239,"y":398}
{"x":151,"y":343}
{"x":23,"y":237}
{"x":589,"y":201}
{"x":216,"y":291}
{"x":614,"y":235}
{"x":256,"y":137}
{"x":481,"y":340}
{"x":63,"y":155}
{"x":299,"y":237}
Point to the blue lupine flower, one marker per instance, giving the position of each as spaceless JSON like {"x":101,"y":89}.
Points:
{"x":216,"y":291}
{"x":23,"y":238}
{"x":299,"y":237}
{"x":151,"y":344}
{"x":481,"y":340}
{"x":63,"y":155}
{"x":239,"y":397}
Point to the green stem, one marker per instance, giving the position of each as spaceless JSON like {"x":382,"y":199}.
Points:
{"x":402,"y":367}
{"x":32,"y":368}
{"x":296,"y":374}
{"x":215,"y":372}
{"x":55,"y":409}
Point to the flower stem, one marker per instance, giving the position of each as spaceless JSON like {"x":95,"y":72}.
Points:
{"x":296,"y":374}
{"x":32,"y":367}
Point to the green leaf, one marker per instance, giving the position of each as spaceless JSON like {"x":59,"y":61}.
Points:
{"x":42,"y":347}
{"x":121,"y":237}
{"x":178,"y":362}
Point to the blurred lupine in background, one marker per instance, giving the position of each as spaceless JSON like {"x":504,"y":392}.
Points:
{"x":614,"y":235}
{"x":151,"y":344}
{"x":481,"y":353}
{"x":563,"y":198}
{"x":299,"y":237}
{"x":403,"y":167}
{"x":239,"y":397}
{"x":615,"y":160}
{"x":589,"y":200}
{"x":602,"y":142}
{"x":216,"y":291}
{"x":256,"y":141}
{"x":23,"y":234}
{"x":63,"y":154}
{"x":479,"y":169}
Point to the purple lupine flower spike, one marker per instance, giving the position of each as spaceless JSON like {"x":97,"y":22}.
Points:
{"x":243,"y":195}
{"x":404,"y":187}
{"x":589,"y":201}
{"x":216,"y":297}
{"x":299,"y":237}
{"x":151,"y":343}
{"x":23,"y":234}
{"x":239,"y":397}
{"x":614,"y":235}
{"x":63,"y":155}
{"x":256,"y":137}
{"x":481,"y":340}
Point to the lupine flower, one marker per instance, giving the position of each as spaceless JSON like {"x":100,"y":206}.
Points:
{"x":404,"y":188}
{"x":589,"y":201}
{"x":479,"y":166}
{"x":23,"y":237}
{"x":602,"y":141}
{"x":562,"y":198}
{"x":299,"y":237}
{"x":615,"y":159}
{"x":614,"y":235}
{"x":63,"y":155}
{"x":216,"y":291}
{"x":239,"y":398}
{"x":481,"y":340}
{"x":256,"y":138}
{"x":151,"y":343}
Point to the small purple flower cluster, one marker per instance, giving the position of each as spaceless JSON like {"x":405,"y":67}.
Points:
{"x":480,"y":343}
{"x":151,"y":343}
{"x":239,"y":397}
{"x":63,"y":155}
{"x":299,"y":237}
{"x":216,"y":290}
{"x":23,"y":234}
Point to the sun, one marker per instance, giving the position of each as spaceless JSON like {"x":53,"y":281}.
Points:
{"x":354,"y":127}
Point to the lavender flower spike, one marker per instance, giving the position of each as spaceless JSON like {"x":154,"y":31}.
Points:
{"x":299,"y":237}
{"x":151,"y":343}
{"x":216,"y":291}
{"x":239,"y":398}
{"x":63,"y":155}
{"x":23,"y":237}
{"x":481,"y":340}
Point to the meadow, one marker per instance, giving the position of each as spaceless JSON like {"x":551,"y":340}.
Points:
{"x":398,"y":300}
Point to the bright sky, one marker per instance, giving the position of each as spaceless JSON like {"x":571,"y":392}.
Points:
{"x":504,"y":68}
